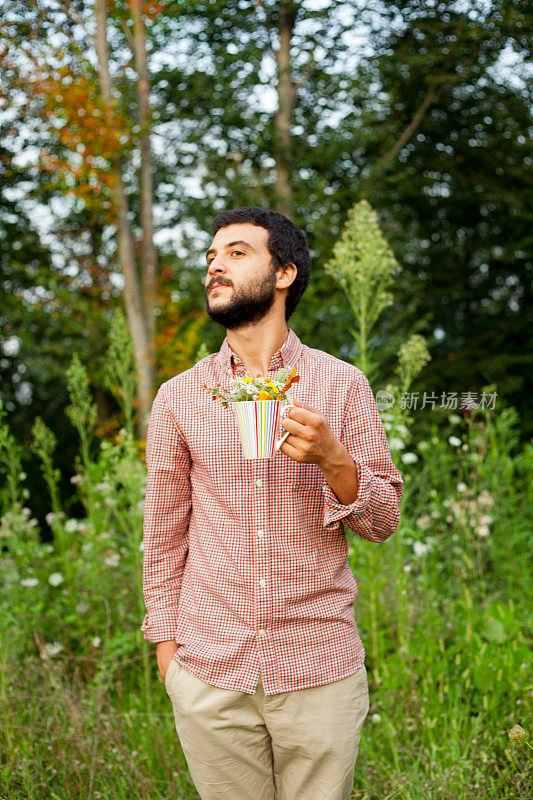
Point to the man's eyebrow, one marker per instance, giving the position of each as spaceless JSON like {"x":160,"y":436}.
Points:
{"x":232,"y":244}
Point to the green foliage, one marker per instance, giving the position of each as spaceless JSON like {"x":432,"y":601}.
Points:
{"x":120,"y":371}
{"x":364,"y":266}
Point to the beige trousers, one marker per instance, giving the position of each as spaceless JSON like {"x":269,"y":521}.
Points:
{"x":301,"y":744}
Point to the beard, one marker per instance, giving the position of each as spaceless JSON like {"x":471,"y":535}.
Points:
{"x":246,"y":305}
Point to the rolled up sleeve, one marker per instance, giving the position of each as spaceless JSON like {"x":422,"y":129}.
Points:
{"x":167,"y":510}
{"x":375,"y":513}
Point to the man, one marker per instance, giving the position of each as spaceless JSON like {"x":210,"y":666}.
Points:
{"x":248,"y":590}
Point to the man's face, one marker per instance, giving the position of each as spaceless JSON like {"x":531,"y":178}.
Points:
{"x":239,"y":260}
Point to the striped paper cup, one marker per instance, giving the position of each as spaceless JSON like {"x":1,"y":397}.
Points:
{"x":259,"y":425}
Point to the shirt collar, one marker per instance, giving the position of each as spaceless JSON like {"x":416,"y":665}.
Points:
{"x":286,"y":356}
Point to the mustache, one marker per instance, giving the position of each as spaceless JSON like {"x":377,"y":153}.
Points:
{"x":221,"y":283}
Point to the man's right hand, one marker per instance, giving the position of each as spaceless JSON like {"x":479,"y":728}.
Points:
{"x":165,"y":653}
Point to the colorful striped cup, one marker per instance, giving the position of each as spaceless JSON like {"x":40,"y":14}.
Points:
{"x":258,"y":422}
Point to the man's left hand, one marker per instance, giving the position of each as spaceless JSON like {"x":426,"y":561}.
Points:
{"x":311,"y":439}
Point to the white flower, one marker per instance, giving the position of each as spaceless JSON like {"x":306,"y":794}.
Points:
{"x":71,"y":525}
{"x":423,"y":446}
{"x":25,"y":512}
{"x":22,"y":476}
{"x":50,"y":517}
{"x":29,"y":582}
{"x":103,"y":486}
{"x":483,"y":531}
{"x":420,"y":548}
{"x":53,"y":648}
{"x":82,"y":607}
{"x":454,"y":441}
{"x":141,"y":546}
{"x":140,"y":506}
{"x":409,"y":458}
{"x":55,"y":579}
{"x":407,"y":568}
{"x":486,"y":519}
{"x":376,"y":717}
{"x":396,"y":444}
{"x":423,"y":521}
{"x":485,"y":498}
{"x":96,"y":641}
{"x":461,"y":487}
{"x":112,"y":560}
{"x":455,"y":419}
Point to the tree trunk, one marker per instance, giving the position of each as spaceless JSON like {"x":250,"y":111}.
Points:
{"x":132,"y":296}
{"x":149,"y":258}
{"x":286,"y":97}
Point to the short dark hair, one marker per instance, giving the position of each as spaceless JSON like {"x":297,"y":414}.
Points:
{"x":286,"y":243}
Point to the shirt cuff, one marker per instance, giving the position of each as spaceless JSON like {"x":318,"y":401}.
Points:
{"x":334,"y":511}
{"x":162,"y":628}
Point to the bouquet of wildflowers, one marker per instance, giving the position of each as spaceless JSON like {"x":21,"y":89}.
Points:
{"x":255,"y":388}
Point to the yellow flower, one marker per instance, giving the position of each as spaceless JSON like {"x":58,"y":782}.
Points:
{"x":263,"y":395}
{"x":246,"y":380}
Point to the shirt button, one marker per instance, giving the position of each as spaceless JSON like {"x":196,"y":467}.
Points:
{"x":260,"y":532}
{"x":259,"y":482}
{"x":261,"y":631}
{"x":262,"y":582}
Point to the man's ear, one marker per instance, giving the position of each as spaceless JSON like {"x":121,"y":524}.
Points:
{"x":287,"y":271}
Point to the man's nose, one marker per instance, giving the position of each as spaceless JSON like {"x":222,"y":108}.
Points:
{"x":215,"y":268}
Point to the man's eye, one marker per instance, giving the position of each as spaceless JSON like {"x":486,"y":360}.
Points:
{"x":238,"y":251}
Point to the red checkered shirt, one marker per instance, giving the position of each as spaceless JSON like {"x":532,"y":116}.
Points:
{"x":245,"y":561}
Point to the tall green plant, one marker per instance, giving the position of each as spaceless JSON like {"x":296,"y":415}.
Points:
{"x":120,"y":371}
{"x":365,"y":266}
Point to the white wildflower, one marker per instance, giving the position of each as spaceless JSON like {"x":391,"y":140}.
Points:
{"x":461,"y":487}
{"x":102,"y":486}
{"x":140,"y":506}
{"x":407,"y":568}
{"x":22,"y":475}
{"x":409,"y":458}
{"x":71,"y":525}
{"x":483,"y":531}
{"x":454,"y":419}
{"x":376,"y":717}
{"x":55,"y":579}
{"x":141,"y":546}
{"x":420,"y":548}
{"x":423,"y":521}
{"x":29,"y":582}
{"x":25,"y":512}
{"x":112,"y":560}
{"x":50,"y":517}
{"x":454,"y":441}
{"x":486,"y":519}
{"x":53,"y":648}
{"x":485,"y":498}
{"x":396,"y":444}
{"x":96,"y":641}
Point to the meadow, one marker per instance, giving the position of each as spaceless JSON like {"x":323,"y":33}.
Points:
{"x":442,"y":609}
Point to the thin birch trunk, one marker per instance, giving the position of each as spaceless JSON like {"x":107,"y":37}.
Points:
{"x":286,"y":96}
{"x":132,"y":295}
{"x":149,"y":257}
